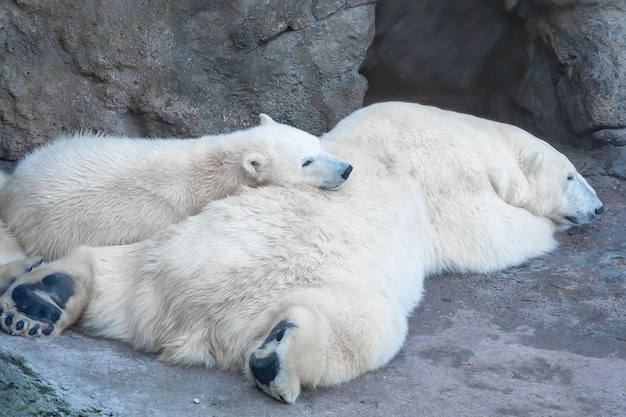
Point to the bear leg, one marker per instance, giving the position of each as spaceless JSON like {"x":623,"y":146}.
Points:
{"x":321,"y":340}
{"x":43,"y":302}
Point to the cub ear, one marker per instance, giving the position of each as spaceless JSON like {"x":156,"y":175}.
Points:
{"x":265,"y":119}
{"x":254,"y":164}
{"x":530,"y":161}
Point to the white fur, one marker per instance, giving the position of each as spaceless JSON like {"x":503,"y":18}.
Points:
{"x":324,"y":281}
{"x":95,"y":190}
{"x":10,"y":250}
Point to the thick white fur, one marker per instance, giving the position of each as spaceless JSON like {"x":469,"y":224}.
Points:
{"x":97,"y":190}
{"x":13,"y":260}
{"x":10,"y":250}
{"x":432,"y":190}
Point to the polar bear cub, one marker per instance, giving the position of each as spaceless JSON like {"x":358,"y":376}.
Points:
{"x":97,"y":190}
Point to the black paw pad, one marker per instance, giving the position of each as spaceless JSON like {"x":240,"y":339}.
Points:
{"x":28,"y":301}
{"x":59,"y":287}
{"x":33,"y":330}
{"x":48,"y":330}
{"x":264,"y":369}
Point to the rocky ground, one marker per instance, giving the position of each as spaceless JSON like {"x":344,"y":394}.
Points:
{"x":545,"y":339}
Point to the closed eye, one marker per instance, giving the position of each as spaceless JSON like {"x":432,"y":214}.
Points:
{"x":307,"y":163}
{"x":570,"y":177}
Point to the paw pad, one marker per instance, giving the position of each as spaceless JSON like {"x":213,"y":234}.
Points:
{"x":33,"y":309}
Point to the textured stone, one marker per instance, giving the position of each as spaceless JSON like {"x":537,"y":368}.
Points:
{"x":618,"y":163}
{"x":433,"y":44}
{"x":554,"y":67}
{"x":587,"y":43}
{"x":610,"y":136}
{"x":184,"y":68}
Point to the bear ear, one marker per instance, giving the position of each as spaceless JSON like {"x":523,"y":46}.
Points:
{"x":530,"y":161}
{"x":253,"y":164}
{"x":265,"y":119}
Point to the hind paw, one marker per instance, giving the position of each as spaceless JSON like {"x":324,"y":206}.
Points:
{"x":36,"y":308}
{"x":269,"y":370}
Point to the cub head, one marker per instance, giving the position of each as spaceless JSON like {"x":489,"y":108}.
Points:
{"x":292,"y":156}
{"x":555,"y":189}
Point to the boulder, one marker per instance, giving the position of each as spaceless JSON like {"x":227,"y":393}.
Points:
{"x":176,"y":68}
{"x":554,"y":67}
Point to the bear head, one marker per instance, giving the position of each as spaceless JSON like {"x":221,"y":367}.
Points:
{"x":545,"y":182}
{"x":292,"y":156}
{"x":557,"y":191}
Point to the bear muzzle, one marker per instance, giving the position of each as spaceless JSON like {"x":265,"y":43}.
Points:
{"x":584,"y":218}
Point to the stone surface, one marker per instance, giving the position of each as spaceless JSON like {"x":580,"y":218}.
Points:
{"x":554,"y":67}
{"x":610,"y":160}
{"x":587,"y":44}
{"x":184,"y":68}
{"x":23,"y":393}
{"x":545,"y":339}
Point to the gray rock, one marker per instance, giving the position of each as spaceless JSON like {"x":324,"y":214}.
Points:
{"x":608,"y":159}
{"x":554,"y":67}
{"x":611,"y":136}
{"x":617,"y":162}
{"x":587,"y":43}
{"x":185,"y":68}
{"x":435,"y":45}
{"x":24,"y":393}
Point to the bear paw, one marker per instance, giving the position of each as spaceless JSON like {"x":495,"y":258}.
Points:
{"x":33,"y":309}
{"x":11,"y":271}
{"x":269,"y":369}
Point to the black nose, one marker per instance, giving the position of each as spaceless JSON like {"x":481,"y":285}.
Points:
{"x":347,"y":172}
{"x":600,"y":210}
{"x":264,"y":369}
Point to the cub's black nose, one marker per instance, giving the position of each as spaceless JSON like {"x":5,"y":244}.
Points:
{"x":600,"y":210}
{"x":347,"y":172}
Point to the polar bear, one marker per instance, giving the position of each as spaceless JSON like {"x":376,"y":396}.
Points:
{"x":95,"y":190}
{"x":300,"y":287}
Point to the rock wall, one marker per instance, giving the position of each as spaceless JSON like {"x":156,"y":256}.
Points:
{"x":554,"y":67}
{"x":176,"y":68}
{"x":186,"y":68}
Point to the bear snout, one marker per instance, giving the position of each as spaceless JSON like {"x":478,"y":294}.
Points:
{"x":347,"y":172}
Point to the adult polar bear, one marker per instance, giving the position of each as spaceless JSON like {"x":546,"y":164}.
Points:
{"x":99,"y":190}
{"x":298,"y":287}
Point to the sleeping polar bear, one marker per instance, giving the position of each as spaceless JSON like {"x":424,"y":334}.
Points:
{"x":300,"y":287}
{"x":98,"y":190}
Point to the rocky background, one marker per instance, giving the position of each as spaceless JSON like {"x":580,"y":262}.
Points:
{"x":176,"y":68}
{"x":554,"y":67}
{"x":186,"y":68}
